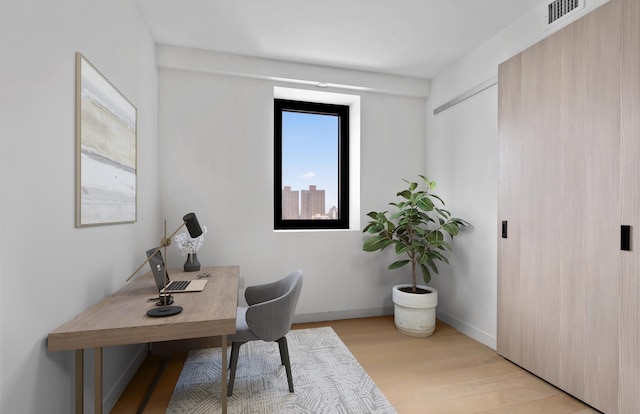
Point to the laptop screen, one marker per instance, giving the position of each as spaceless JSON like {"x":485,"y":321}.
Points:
{"x":157,"y":268}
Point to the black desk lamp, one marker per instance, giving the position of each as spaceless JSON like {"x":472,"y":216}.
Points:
{"x":195,"y":230}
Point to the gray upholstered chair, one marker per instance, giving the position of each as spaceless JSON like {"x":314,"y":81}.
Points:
{"x":268,"y":318}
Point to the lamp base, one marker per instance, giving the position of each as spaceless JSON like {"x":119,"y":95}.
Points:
{"x":164,"y":311}
{"x":164,"y":299}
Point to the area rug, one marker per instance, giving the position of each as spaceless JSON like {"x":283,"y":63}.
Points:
{"x":326,"y":377}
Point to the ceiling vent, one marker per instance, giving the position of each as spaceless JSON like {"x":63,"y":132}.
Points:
{"x":561,"y":10}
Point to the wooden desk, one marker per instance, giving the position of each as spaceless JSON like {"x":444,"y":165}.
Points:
{"x":121,"y":319}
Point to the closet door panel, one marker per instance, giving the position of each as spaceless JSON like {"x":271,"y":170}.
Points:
{"x":602,"y":208}
{"x":539,"y":241}
{"x":509,"y":207}
{"x":572,"y":196}
{"x":630,"y":198}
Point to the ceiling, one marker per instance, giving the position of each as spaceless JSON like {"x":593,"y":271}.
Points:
{"x":417,"y":38}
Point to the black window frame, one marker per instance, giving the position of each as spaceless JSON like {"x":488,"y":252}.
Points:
{"x":342,"y":112}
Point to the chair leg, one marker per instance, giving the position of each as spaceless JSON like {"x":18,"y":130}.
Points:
{"x":284,"y":358}
{"x":233,"y":364}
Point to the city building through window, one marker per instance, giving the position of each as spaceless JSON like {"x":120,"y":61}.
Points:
{"x":311,"y":185}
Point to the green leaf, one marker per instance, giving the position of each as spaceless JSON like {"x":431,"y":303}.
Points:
{"x":432,"y":265}
{"x":401,"y":248}
{"x":450,"y":228}
{"x":437,"y":197}
{"x":442,"y":245}
{"x":398,"y":214}
{"x":398,"y":264}
{"x":460,"y":222}
{"x":426,"y":204}
{"x":426,"y":275}
{"x":436,"y":236}
{"x":405,"y":194}
{"x":373,"y":214}
{"x":438,"y":256}
{"x":376,"y":243}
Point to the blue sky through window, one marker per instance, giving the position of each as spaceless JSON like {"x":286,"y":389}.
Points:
{"x":310,"y":153}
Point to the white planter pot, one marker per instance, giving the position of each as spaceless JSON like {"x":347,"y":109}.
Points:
{"x":415,"y":314}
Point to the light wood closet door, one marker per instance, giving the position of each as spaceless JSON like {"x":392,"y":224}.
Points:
{"x":572,"y":268}
{"x":511,"y":194}
{"x":559,"y":274}
{"x":602,"y":207}
{"x":542,"y":227}
{"x":630,"y":196}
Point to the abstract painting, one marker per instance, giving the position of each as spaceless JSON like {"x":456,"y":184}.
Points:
{"x":106,"y":150}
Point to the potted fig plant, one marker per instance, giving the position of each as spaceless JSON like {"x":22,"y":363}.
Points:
{"x":420,"y":231}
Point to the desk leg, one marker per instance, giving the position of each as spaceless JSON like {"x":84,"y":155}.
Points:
{"x":79,"y":381}
{"x":97,"y":381}
{"x":223,"y":345}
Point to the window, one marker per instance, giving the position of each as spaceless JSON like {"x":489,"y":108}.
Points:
{"x":311,"y":185}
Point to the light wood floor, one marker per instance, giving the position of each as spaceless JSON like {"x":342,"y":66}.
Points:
{"x":445,"y":373}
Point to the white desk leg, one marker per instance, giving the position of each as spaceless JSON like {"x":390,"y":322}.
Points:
{"x":79,"y":381}
{"x":97,"y":381}
{"x":223,"y":345}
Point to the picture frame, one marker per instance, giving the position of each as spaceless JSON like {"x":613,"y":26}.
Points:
{"x":106,"y":150}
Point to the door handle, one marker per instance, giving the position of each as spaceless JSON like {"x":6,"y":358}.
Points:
{"x":625,"y":237}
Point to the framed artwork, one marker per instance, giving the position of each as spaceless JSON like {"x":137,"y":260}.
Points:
{"x":106,"y":150}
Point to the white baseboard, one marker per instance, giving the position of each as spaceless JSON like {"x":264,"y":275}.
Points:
{"x":460,"y":326}
{"x":346,"y":314}
{"x":468,"y":330}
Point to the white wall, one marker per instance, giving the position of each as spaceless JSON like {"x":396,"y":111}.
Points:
{"x":462,"y":156}
{"x":216,"y":151}
{"x":41,"y":250}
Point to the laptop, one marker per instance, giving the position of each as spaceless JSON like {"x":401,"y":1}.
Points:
{"x":160,"y":275}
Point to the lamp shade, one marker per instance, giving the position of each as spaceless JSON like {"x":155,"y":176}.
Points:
{"x":192,"y":225}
